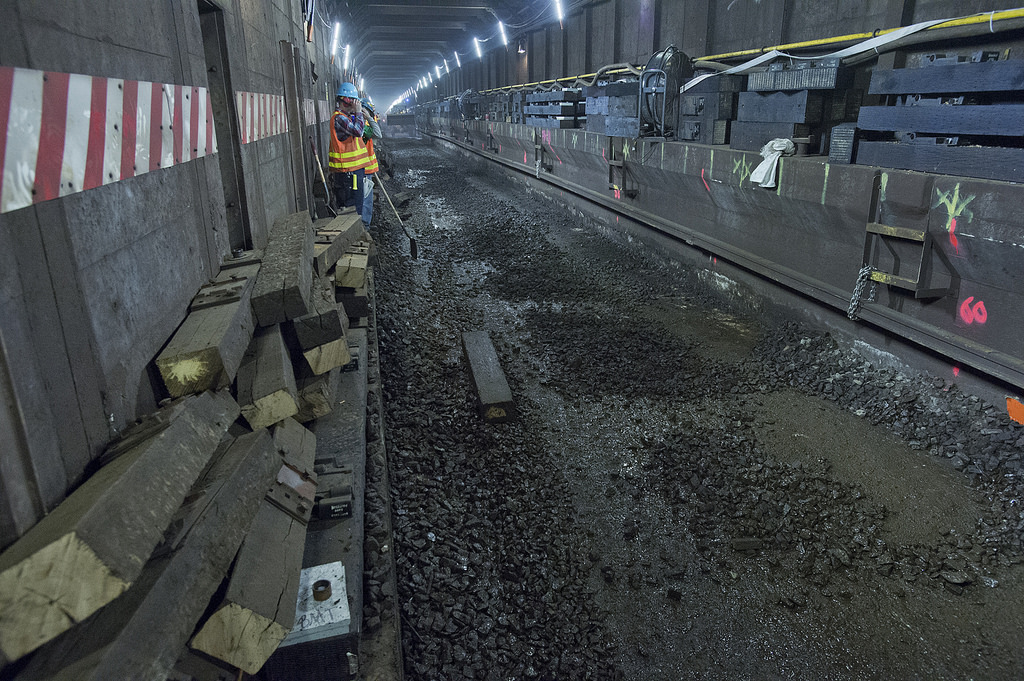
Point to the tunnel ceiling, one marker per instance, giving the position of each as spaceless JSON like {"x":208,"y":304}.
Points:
{"x":395,"y":42}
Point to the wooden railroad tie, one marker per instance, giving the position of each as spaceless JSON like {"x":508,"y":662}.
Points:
{"x":266,"y":380}
{"x":350,"y":272}
{"x":284,"y":283}
{"x":206,"y":350}
{"x":494,"y":395}
{"x":355,"y":300}
{"x":320,"y":335}
{"x":315,"y":393}
{"x":258,"y":608}
{"x":141,"y":634}
{"x":333,"y":238}
{"x":93,"y":546}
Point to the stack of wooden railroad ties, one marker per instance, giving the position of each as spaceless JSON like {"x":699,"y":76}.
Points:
{"x":957,"y":114}
{"x":801,"y":102}
{"x":182,"y":555}
{"x":613,"y":108}
{"x":562,"y":109}
{"x":708,"y":108}
{"x":949,"y":113}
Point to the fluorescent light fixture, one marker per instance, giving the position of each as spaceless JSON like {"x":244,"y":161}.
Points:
{"x":430,"y":76}
{"x":458,"y":62}
{"x":334,"y":43}
{"x":558,"y":10}
{"x":476,"y":44}
{"x":346,"y":57}
{"x":437,"y":69}
{"x":504,"y":38}
{"x":446,"y":66}
{"x":362,"y":83}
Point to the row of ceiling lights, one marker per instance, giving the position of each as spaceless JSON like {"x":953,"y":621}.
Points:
{"x":429,"y":78}
{"x":346,"y":50}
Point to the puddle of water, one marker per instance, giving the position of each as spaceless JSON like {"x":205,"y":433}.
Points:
{"x":720,"y":336}
{"x":441,"y":217}
{"x":924,"y":496}
{"x":414,"y":178}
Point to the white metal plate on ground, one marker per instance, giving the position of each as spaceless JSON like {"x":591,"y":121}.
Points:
{"x":315,"y":620}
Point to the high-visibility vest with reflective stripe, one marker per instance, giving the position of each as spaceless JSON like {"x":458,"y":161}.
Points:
{"x":346,"y":155}
{"x":372,"y":166}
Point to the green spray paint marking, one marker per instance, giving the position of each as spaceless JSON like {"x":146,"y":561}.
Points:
{"x":711,"y":170}
{"x":778,"y":179}
{"x":955,"y":204}
{"x":824,"y":186}
{"x":882,"y":185}
{"x":741,"y":167}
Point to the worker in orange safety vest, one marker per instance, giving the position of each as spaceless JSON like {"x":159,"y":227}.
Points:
{"x":347,"y":157}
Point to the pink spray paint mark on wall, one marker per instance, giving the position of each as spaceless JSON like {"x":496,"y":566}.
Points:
{"x":972,"y":313}
{"x":956,"y":371}
{"x":952,"y":236}
{"x":704,"y":181}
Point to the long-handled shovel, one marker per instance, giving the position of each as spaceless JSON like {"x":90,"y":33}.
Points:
{"x":320,"y":169}
{"x":413,"y":250}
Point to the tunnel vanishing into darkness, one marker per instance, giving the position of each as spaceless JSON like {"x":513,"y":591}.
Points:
{"x":164,"y":168}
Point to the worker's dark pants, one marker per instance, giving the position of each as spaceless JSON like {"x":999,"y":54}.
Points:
{"x":348,"y":189}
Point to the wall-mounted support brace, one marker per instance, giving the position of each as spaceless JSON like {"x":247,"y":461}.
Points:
{"x":619,"y":179}
{"x":539,"y":163}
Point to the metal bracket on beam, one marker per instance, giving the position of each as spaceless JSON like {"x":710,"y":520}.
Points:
{"x":619,"y":180}
{"x":539,"y":163}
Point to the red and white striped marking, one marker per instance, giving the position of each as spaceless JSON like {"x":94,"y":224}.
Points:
{"x":260,"y":116}
{"x":63,"y":133}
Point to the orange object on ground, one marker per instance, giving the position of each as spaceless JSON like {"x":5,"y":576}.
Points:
{"x":1015,"y":409}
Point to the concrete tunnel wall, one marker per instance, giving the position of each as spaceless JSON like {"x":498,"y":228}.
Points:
{"x":93,"y":283}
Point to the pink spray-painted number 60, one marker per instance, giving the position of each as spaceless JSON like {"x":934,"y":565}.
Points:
{"x":973,"y":313}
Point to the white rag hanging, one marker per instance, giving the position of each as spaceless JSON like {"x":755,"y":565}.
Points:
{"x":764,"y":173}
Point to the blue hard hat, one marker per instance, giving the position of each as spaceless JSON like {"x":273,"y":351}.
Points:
{"x":348,"y":90}
{"x":367,"y":101}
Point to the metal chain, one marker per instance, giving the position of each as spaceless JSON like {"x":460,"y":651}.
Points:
{"x":863,"y":277}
